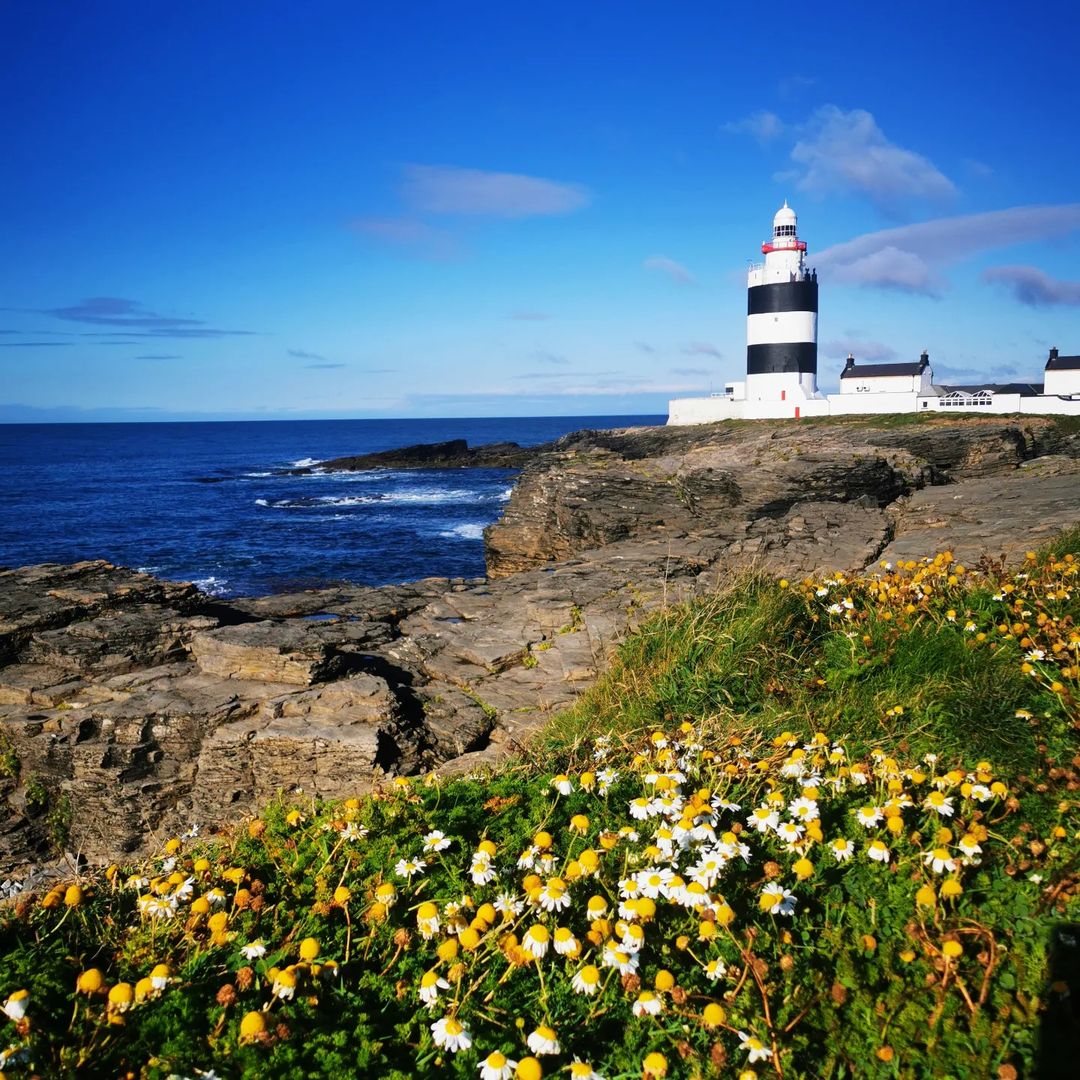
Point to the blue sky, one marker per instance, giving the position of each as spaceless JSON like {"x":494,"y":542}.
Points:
{"x":468,"y":209}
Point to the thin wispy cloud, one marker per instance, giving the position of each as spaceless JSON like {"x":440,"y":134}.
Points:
{"x":1034,"y":287}
{"x":646,"y":348}
{"x":133,"y":320}
{"x":674,"y":270}
{"x":847,"y":152}
{"x":324,"y":366}
{"x":795,"y":86}
{"x":690,"y":371}
{"x":874,"y":352}
{"x":303,"y":354}
{"x":449,"y":189}
{"x":529,"y":316}
{"x":910,"y":258}
{"x":410,"y":234}
{"x":702,"y":348}
{"x":35,"y":344}
{"x":545,"y":357}
{"x":762,"y":125}
{"x":159,"y":356}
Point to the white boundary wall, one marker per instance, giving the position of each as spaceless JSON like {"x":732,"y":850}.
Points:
{"x":684,"y":411}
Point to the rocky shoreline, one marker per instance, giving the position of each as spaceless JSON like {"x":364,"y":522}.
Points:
{"x":132,"y":708}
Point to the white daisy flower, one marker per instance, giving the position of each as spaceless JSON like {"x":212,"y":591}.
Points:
{"x":430,"y":985}
{"x":409,"y":868}
{"x":543,"y":1041}
{"x":647,"y":1004}
{"x":450,"y":1034}
{"x":497,"y":1066}
{"x":436,"y":840}
{"x":255,"y":950}
{"x":587,"y":980}
{"x":757,"y":1050}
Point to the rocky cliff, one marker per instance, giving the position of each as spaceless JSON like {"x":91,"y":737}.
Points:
{"x":131,"y":708}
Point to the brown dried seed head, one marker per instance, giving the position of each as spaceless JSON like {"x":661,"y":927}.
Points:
{"x":838,"y":993}
{"x":773,"y":870}
{"x":244,"y":978}
{"x":226,"y":996}
{"x":402,"y":937}
{"x":679,"y":995}
{"x":631,"y":983}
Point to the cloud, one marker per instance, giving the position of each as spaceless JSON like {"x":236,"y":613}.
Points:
{"x":674,"y":270}
{"x":448,"y":189}
{"x":529,"y":316}
{"x":409,"y":233}
{"x":646,"y":348}
{"x":702,"y":348}
{"x":324,"y":367}
{"x":762,"y":125}
{"x":691,"y":371}
{"x":874,"y":352}
{"x":1034,"y":287}
{"x":549,"y":357}
{"x":794,"y":85}
{"x":133,"y":319}
{"x":302,"y":354}
{"x":34,"y":344}
{"x":159,"y":356}
{"x":847,"y":152}
{"x":909,"y":258}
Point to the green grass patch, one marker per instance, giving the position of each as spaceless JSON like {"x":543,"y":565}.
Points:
{"x":824,"y":829}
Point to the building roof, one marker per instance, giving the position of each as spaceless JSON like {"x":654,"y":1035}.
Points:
{"x":1023,"y":389}
{"x":870,"y":371}
{"x":1062,"y":363}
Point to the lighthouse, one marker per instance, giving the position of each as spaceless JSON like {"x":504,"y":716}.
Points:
{"x":781,"y":318}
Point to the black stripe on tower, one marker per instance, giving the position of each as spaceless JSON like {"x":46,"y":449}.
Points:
{"x":782,"y":296}
{"x":790,"y":357}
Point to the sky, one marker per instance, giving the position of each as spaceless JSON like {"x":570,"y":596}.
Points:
{"x":282,"y":210}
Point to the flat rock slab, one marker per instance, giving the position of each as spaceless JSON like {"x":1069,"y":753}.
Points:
{"x":998,"y":516}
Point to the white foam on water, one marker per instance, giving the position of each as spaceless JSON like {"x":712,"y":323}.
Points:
{"x":212,"y":585}
{"x":470,"y":531}
{"x":257,"y":474}
{"x":305,"y":462}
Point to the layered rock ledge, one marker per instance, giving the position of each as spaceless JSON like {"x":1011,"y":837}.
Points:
{"x":131,"y":708}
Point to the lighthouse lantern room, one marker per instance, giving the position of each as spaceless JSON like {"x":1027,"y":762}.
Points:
{"x":781,"y":318}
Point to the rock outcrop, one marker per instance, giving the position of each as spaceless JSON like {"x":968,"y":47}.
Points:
{"x":131,"y":708}
{"x":452,"y":454}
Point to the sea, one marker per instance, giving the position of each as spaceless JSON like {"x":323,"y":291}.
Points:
{"x":211,"y":502}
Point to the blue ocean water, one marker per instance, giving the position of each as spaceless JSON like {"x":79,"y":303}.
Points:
{"x":202,"y":502}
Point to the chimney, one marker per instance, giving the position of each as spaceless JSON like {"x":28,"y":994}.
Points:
{"x":924,"y":358}
{"x":1053,"y":353}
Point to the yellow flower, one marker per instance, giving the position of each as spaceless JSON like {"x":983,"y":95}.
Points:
{"x":342,"y":895}
{"x":664,"y":980}
{"x":713,"y":1015}
{"x":217,"y":922}
{"x":309,"y":948}
{"x":655,"y":1064}
{"x":925,"y":897}
{"x":447,"y":949}
{"x":73,"y":896}
{"x":90,"y":981}
{"x":121,"y":997}
{"x":951,"y":888}
{"x":803,"y":869}
{"x":252,"y":1026}
{"x":528,"y":1068}
{"x":952,"y":949}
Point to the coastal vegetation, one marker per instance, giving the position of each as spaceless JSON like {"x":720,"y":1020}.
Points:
{"x":821,"y":828}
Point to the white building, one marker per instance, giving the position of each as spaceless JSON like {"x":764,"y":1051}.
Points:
{"x":1062,"y":375}
{"x":781,"y":360}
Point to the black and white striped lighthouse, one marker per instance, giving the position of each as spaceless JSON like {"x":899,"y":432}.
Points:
{"x":781,"y":318}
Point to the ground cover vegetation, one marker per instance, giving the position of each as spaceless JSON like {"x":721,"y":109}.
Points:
{"x":826,"y":828}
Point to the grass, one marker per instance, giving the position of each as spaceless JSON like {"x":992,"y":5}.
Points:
{"x":925,"y":721}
